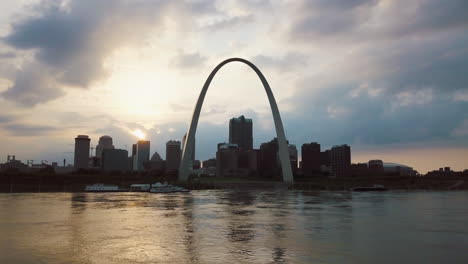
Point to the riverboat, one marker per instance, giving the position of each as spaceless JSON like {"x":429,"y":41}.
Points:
{"x":99,"y":187}
{"x":166,"y":188}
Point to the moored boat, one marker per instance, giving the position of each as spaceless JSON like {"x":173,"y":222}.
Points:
{"x":99,"y":187}
{"x":166,"y":188}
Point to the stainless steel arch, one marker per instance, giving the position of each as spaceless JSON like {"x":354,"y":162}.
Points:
{"x":186,"y":165}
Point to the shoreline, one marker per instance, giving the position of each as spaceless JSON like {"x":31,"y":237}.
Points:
{"x":77,"y":183}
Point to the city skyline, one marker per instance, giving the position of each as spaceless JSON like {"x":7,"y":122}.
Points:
{"x":351,"y":74}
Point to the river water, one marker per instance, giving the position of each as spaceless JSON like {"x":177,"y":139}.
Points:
{"x":234,"y":227}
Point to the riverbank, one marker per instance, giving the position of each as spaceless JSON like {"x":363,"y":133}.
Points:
{"x":77,"y":182}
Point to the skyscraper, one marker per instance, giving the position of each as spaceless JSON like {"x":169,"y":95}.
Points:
{"x":269,"y":160}
{"x":293,"y":156}
{"x":142,"y":155}
{"x":173,"y":155}
{"x":183,"y":146}
{"x":310,"y":159}
{"x":81,"y":159}
{"x":105,"y":142}
{"x":341,"y":161}
{"x":227,"y":160}
{"x":240,"y":132}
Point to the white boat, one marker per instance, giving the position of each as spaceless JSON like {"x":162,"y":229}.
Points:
{"x":99,"y":187}
{"x":166,"y":188}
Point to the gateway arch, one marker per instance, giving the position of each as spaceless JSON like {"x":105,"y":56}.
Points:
{"x":185,"y":168}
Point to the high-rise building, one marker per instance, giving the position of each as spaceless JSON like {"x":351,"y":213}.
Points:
{"x":105,"y":142}
{"x":81,"y":160}
{"x":209,"y":163}
{"x":341,"y":161}
{"x":325,"y":158}
{"x":142,"y":155}
{"x":293,"y":157}
{"x":173,"y":155}
{"x":227,"y":160}
{"x":114,"y":160}
{"x":240,"y":132}
{"x":269,"y":160}
{"x":183,"y":146}
{"x":134,"y":149}
{"x":310,"y":159}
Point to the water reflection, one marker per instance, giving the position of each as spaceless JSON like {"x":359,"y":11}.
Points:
{"x":234,"y":227}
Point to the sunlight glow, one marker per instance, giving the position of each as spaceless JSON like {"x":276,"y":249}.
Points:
{"x":139,"y":134}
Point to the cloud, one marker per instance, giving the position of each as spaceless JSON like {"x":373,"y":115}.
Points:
{"x":364,"y":20}
{"x":6,"y":118}
{"x":288,"y":62}
{"x":71,"y":39}
{"x":26,"y":130}
{"x":229,"y":23}
{"x":7,"y":55}
{"x":188,"y":61}
{"x":33,"y":85}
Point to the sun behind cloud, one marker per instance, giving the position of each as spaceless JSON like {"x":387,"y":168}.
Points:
{"x":139,"y":134}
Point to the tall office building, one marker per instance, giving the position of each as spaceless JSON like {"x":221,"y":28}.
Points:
{"x":341,"y":161}
{"x":311,"y":159}
{"x":81,"y":159}
{"x":105,"y":142}
{"x":142,"y":155}
{"x":227,"y":159}
{"x":269,"y":165}
{"x":183,"y":146}
{"x":173,"y":155}
{"x":240,"y":132}
{"x":293,"y":157}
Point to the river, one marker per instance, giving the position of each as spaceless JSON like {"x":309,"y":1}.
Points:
{"x":219,"y":226}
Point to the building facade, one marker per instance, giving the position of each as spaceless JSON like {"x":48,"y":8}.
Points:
{"x":240,"y":132}
{"x":81,"y":159}
{"x":311,"y":159}
{"x":173,"y":155}
{"x":269,"y":160}
{"x":227,"y":160}
{"x":293,"y":157}
{"x":105,"y":142}
{"x":114,"y":160}
{"x":142,"y":155}
{"x":341,"y":161}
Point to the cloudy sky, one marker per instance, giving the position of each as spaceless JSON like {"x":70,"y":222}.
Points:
{"x":389,"y":78}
